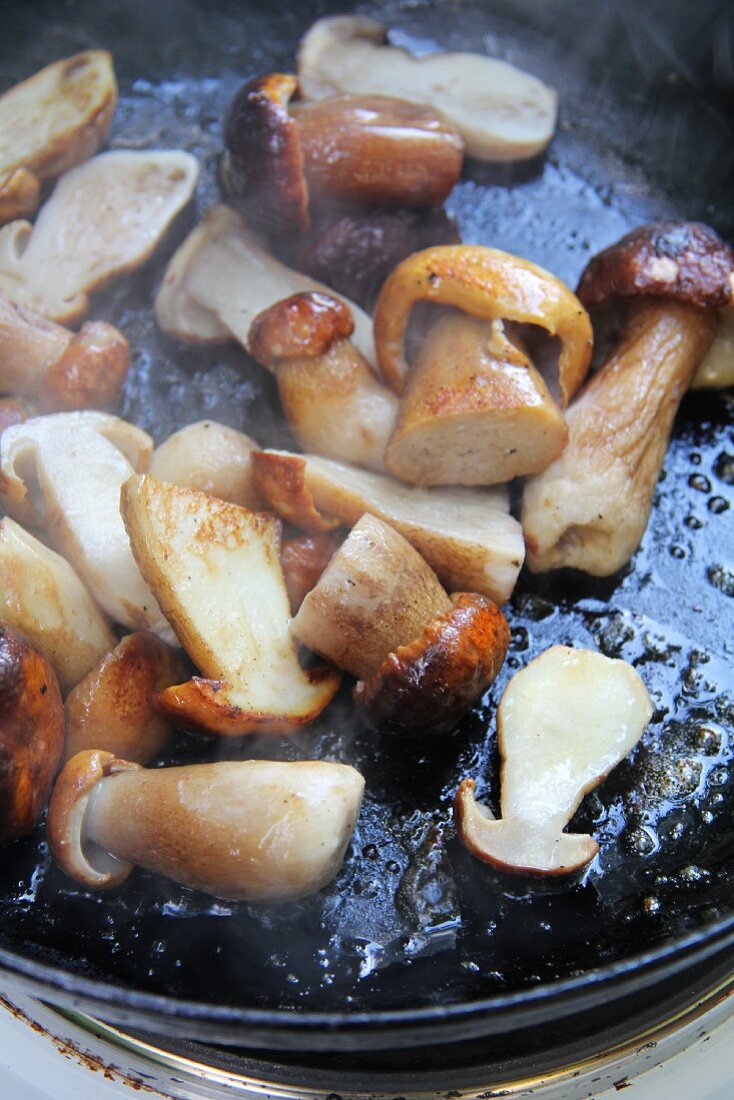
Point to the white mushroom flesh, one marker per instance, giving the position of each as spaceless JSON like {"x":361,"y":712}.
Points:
{"x":210,"y":457}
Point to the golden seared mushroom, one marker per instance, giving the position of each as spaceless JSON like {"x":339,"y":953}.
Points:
{"x":466,"y":535}
{"x":590,"y":509}
{"x":501,"y":112}
{"x":474,"y":409}
{"x":255,"y":830}
{"x":283,"y":159}
{"x":64,"y":471}
{"x":222,"y":276}
{"x":113,"y":707}
{"x":216,"y":571}
{"x":31,"y":733}
{"x":104,"y":219}
{"x":303,"y":560}
{"x":42,"y":596}
{"x":209,"y":457}
{"x":563,"y":723}
{"x":51,"y":122}
{"x":63,"y":370}
{"x":330,"y":397}
{"x":379,"y":612}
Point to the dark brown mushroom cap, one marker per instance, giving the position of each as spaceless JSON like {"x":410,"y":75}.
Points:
{"x":426,"y":686}
{"x":687,"y":261}
{"x":303,"y":326}
{"x":262,"y":167}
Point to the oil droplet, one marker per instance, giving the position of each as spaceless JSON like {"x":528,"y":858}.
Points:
{"x":695,"y":458}
{"x":718,"y":505}
{"x":721,"y":578}
{"x":651,"y":905}
{"x":677,"y":551}
{"x":724,"y":468}
{"x":700,"y":483}
{"x":693,"y":523}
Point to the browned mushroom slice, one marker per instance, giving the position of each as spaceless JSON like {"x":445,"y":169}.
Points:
{"x":216,"y":571}
{"x":563,"y":723}
{"x":209,"y":457}
{"x":303,"y":560}
{"x":258,"y":830}
{"x":31,"y":733}
{"x":331,"y":399}
{"x":104,"y":219}
{"x":590,"y":508}
{"x":502,"y":113}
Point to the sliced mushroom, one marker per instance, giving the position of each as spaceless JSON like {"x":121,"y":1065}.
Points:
{"x":222,"y":276}
{"x":258,"y":830}
{"x":502,"y":113}
{"x":113,"y":707}
{"x":51,"y":122}
{"x":717,"y":366}
{"x":215,"y":569}
{"x":31,"y":733}
{"x":64,"y":471}
{"x":42,"y":596}
{"x":209,"y":457}
{"x":103,"y":220}
{"x":563,"y":723}
{"x":331,"y":399}
{"x":466,"y":535}
{"x":13,"y":410}
{"x":282,"y":159}
{"x":62,"y":369}
{"x":303,"y":560}
{"x":590,"y":508}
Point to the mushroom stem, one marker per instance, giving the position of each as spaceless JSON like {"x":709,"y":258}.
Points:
{"x":590,"y":508}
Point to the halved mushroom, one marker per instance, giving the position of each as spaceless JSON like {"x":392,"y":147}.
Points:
{"x":42,"y":596}
{"x":563,"y":723}
{"x":258,"y":830}
{"x":103,"y":220}
{"x":64,"y":471}
{"x":49,"y":123}
{"x":303,"y":560}
{"x":222,"y":276}
{"x":590,"y":508}
{"x":502,"y":113}
{"x":209,"y":457}
{"x":113,"y":707}
{"x":215,"y":569}
{"x":467,"y":535}
{"x":331,"y":399}
{"x":31,"y":733}
{"x":64,"y":370}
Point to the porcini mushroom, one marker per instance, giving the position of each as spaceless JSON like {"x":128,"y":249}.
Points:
{"x":563,"y":723}
{"x":64,"y":471}
{"x":103,"y":220}
{"x":222,"y":276}
{"x":256,"y":830}
{"x":466,"y":535}
{"x":51,"y":122}
{"x":210,"y":457}
{"x":282,"y":158}
{"x":379,"y":612}
{"x":502,"y":113}
{"x":216,"y":571}
{"x":31,"y":733}
{"x":42,"y":596}
{"x":717,"y":366}
{"x":303,"y":560}
{"x":330,"y":397}
{"x":63,"y":370}
{"x":590,"y":508}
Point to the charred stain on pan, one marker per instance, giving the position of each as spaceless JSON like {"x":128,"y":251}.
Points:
{"x":411,"y":919}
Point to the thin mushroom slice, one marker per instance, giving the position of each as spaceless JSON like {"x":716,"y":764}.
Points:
{"x":210,"y":457}
{"x":563,"y":723}
{"x":501,"y":112}
{"x":103,"y":220}
{"x":255,"y":830}
{"x":215,"y":569}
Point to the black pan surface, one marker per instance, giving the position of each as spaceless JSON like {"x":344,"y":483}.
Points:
{"x":412,"y":923}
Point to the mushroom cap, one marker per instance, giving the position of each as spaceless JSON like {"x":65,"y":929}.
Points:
{"x":686,"y":261}
{"x":426,"y":686}
{"x":303,"y":326}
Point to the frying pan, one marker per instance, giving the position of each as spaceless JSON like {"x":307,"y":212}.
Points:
{"x":416,"y":943}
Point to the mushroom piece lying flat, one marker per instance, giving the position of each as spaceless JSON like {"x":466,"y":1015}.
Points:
{"x":257,"y":830}
{"x":216,"y":571}
{"x":590,"y":508}
{"x":42,"y":596}
{"x":563,"y":723}
{"x":64,"y":472}
{"x":222,"y":276}
{"x":211,"y":458}
{"x":103,"y":220}
{"x":51,"y":122}
{"x":501,"y":112}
